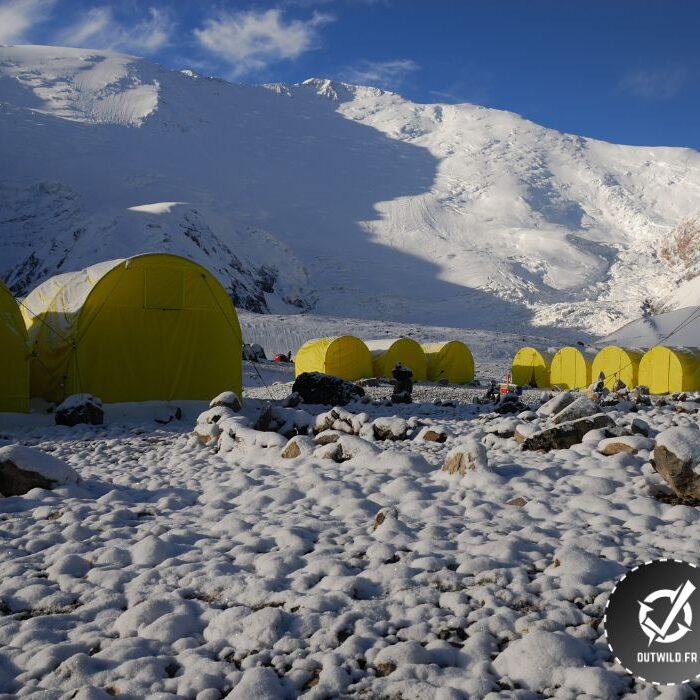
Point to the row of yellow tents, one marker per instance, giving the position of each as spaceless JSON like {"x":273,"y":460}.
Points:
{"x":663,"y":369}
{"x":159,"y":326}
{"x":154,"y":326}
{"x":351,"y":358}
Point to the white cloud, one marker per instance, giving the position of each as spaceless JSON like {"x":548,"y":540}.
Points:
{"x":251,"y":40}
{"x":389,"y":75}
{"x":99,"y":29}
{"x":660,"y":83}
{"x":17,"y":16}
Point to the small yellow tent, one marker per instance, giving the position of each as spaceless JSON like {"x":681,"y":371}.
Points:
{"x":531,"y":367}
{"x":666,"y":370}
{"x":14,"y":356}
{"x":617,"y":363}
{"x":154,"y":326}
{"x":386,"y":353}
{"x":451,"y":360}
{"x":571,"y":368}
{"x":343,"y":356}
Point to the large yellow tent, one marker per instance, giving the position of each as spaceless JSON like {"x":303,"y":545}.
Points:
{"x":154,"y":326}
{"x":667,"y":370}
{"x":571,"y":368}
{"x":451,"y":360}
{"x":531,"y":367}
{"x":617,"y":363}
{"x":343,"y":356}
{"x":386,"y":353}
{"x":14,"y":356}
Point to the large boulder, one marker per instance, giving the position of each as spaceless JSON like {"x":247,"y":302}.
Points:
{"x":25,"y":468}
{"x":80,"y":408}
{"x":326,"y":389}
{"x":469,"y":456}
{"x":676,"y":454}
{"x":565,"y":435}
{"x":580,"y":408}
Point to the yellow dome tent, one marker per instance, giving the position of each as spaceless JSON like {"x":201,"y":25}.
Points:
{"x":343,"y":356}
{"x":667,"y":370}
{"x":571,"y":368}
{"x":386,"y":353}
{"x":14,"y":356}
{"x":617,"y":363}
{"x":531,"y":367}
{"x":155,"y":326}
{"x":451,"y":360}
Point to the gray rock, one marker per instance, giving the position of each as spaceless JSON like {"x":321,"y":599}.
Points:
{"x":78,"y":409}
{"x":314,"y":387}
{"x":565,"y":435}
{"x":580,"y":408}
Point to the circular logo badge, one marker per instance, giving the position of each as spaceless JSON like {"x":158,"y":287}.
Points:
{"x":652,"y":621}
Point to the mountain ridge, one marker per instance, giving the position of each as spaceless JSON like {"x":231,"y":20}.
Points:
{"x":343,"y":200}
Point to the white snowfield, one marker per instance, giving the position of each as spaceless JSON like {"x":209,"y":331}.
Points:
{"x":173,"y":571}
{"x":345,"y":200}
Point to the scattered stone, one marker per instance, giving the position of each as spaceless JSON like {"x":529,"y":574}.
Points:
{"x":25,"y":468}
{"x":392,"y":428}
{"x":519,"y":501}
{"x":331,"y":450}
{"x":369,"y":381}
{"x":510,"y":403}
{"x":523,"y":431}
{"x":78,"y":409}
{"x":527,"y":415}
{"x":631,"y":444}
{"x":167,"y":414}
{"x":228,"y":399}
{"x":388,"y":513}
{"x":431,"y":433}
{"x":325,"y":437}
{"x":300,"y":445}
{"x":687,"y":407}
{"x":469,"y":456}
{"x":504,"y":427}
{"x":264,"y":418}
{"x":556,"y":404}
{"x":317,"y":388}
{"x":580,"y":408}
{"x":640,"y":427}
{"x":564,"y":435}
{"x":677,"y":451}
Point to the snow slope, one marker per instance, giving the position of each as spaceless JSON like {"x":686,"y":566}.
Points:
{"x":329,"y":197}
{"x":680,"y":328}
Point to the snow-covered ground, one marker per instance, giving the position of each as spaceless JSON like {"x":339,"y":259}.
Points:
{"x":340,"y":199}
{"x":171,"y":570}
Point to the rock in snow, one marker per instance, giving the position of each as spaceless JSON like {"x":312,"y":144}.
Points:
{"x":325,"y":389}
{"x":80,"y":408}
{"x":676,"y":456}
{"x":469,"y":456}
{"x":25,"y":468}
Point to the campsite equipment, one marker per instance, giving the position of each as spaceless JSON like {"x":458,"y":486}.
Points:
{"x":14,"y":355}
{"x":666,"y":370}
{"x":155,"y":326}
{"x":571,"y":368}
{"x":617,"y":363}
{"x":281,"y":357}
{"x":387,"y":352}
{"x":451,"y":360}
{"x":531,"y":367}
{"x":343,"y":356}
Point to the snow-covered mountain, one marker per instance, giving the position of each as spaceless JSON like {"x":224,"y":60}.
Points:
{"x":329,"y":197}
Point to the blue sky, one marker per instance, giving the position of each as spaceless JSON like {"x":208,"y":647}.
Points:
{"x":622,"y":70}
